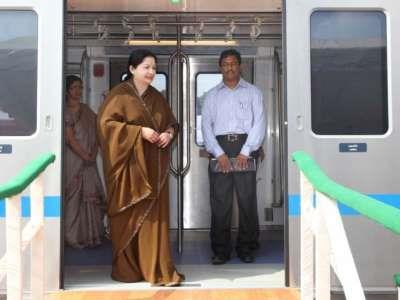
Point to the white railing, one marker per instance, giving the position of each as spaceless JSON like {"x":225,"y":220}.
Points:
{"x":33,"y":233}
{"x":324,"y":244}
{"x":396,"y":279}
{"x":17,"y":240}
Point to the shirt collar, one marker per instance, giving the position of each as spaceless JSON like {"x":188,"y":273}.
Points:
{"x":241,"y":83}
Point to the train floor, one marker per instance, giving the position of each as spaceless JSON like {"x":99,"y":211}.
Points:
{"x":91,"y":268}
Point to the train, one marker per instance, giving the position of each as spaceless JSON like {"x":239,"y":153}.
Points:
{"x":327,"y":71}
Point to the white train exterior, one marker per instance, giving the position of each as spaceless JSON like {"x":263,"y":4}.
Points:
{"x":328,"y":71}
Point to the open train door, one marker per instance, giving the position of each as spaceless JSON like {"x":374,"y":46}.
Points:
{"x":31,"y":56}
{"x":342,"y":97}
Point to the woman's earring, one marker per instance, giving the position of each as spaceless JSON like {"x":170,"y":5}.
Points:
{"x":132,"y":71}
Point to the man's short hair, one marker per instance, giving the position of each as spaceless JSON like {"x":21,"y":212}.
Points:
{"x":230,"y":52}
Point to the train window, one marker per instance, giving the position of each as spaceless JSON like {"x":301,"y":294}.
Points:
{"x":204,"y":83}
{"x":18,"y":72}
{"x":348,"y":73}
{"x":160,"y":83}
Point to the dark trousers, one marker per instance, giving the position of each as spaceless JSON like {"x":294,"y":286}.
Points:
{"x":221,"y":192}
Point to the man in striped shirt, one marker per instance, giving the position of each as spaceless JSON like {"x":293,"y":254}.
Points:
{"x":233,"y":126}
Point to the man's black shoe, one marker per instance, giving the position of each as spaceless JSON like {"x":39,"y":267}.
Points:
{"x":219,"y":260}
{"x":246,"y":258}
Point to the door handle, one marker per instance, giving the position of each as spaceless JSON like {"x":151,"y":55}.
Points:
{"x":299,"y":122}
{"x":48,"y":123}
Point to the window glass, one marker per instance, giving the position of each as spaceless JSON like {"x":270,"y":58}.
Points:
{"x":160,"y":83}
{"x":348,"y":73}
{"x":204,"y":83}
{"x":18,"y":73}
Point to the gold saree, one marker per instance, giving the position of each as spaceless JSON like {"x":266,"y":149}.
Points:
{"x":136,"y":173}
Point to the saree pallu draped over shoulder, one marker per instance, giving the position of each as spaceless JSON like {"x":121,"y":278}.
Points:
{"x":136,"y":174}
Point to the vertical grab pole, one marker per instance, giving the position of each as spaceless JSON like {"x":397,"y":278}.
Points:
{"x":180,"y":141}
{"x":177,"y":171}
{"x":185,"y":60}
{"x":173,"y":169}
{"x":306,"y":242}
{"x":183,"y":137}
{"x":37,"y":244}
{"x":14,"y":247}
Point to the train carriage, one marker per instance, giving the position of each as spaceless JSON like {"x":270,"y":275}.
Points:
{"x":327,"y":73}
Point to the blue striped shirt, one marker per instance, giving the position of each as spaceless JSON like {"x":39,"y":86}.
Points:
{"x":238,"y":110}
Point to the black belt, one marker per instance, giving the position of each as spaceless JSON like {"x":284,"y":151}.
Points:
{"x":232,"y":137}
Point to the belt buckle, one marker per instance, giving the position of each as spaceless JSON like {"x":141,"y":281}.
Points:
{"x":232,"y":137}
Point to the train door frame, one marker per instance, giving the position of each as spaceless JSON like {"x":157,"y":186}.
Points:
{"x":183,"y":113}
{"x":284,"y":146}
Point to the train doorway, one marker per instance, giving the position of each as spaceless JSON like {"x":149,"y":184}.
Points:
{"x":188,"y":47}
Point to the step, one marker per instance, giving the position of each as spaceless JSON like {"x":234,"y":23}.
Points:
{"x":180,"y":294}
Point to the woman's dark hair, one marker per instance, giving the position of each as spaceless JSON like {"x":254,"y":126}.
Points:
{"x":136,"y":58}
{"x":70,"y":80}
{"x":230,"y":52}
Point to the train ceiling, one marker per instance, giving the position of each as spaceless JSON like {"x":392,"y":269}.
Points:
{"x":227,"y":6}
{"x":121,"y":28}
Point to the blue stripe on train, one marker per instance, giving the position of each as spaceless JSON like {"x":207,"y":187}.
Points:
{"x":52,"y":206}
{"x":390,"y":199}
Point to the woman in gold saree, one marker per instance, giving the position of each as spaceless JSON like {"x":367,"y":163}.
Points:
{"x":136,"y":128}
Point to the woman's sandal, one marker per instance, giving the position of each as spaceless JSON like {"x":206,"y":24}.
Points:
{"x":157,"y":284}
{"x":171,"y":284}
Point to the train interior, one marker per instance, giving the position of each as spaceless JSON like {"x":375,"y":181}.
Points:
{"x":188,"y":46}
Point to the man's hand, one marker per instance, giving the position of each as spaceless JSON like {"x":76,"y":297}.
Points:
{"x":224,"y":163}
{"x":241,"y":162}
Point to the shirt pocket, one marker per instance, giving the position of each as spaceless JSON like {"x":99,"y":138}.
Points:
{"x":243,"y":109}
{"x":244,"y":113}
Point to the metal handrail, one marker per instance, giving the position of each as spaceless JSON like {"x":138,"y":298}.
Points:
{"x":180,"y":182}
{"x":24,"y":178}
{"x":182,"y":167}
{"x":170,"y":63}
{"x":185,"y":169}
{"x":382,"y":213}
{"x":321,"y":224}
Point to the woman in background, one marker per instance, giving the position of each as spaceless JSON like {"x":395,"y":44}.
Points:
{"x":136,"y":127}
{"x":84,"y":201}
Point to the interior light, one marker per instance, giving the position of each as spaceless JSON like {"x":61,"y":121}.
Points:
{"x":209,"y":43}
{"x":183,"y":43}
{"x":150,"y":43}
